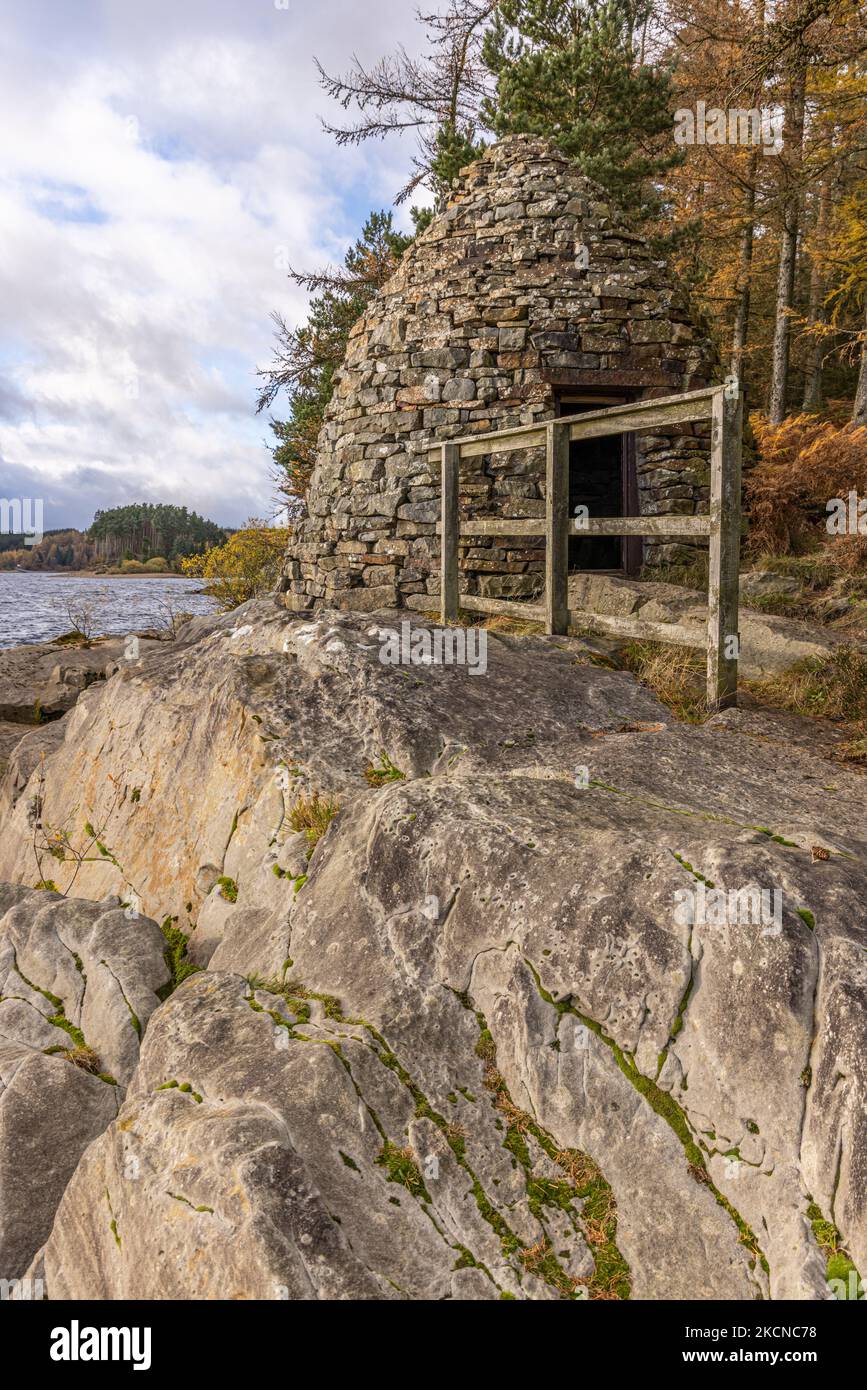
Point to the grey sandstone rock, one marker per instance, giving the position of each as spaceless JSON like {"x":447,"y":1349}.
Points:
{"x":487,"y":965}
{"x":73,"y":975}
{"x":769,"y":644}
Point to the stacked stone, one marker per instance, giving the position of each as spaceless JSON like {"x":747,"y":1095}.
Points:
{"x":495,"y":309}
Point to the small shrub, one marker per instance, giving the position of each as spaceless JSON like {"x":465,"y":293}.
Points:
{"x":247,"y":565}
{"x":386,"y":772}
{"x":803,"y":463}
{"x":157,"y":564}
{"x":132,"y":567}
{"x":228,"y":889}
{"x":81,"y":614}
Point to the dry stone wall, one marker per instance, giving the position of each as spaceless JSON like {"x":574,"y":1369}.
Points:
{"x":494,"y":312}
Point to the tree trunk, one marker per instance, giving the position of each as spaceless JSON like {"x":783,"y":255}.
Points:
{"x":794,"y":130}
{"x":859,"y":410}
{"x":743,"y":282}
{"x":815,"y":313}
{"x":744,"y":278}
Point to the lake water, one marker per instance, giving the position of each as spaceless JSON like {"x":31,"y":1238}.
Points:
{"x":36,"y":607}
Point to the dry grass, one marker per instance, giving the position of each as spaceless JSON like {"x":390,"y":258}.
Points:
{"x":577,"y":1167}
{"x":833,"y":687}
{"x":597,"y":1227}
{"x":493,"y":1079}
{"x":854,"y":750}
{"x":313,"y":814}
{"x":515,"y":1118}
{"x":676,"y":675}
{"x":515,"y":627}
{"x":84,"y":1058}
{"x":688,"y":576}
{"x":835,"y":571}
{"x":534,"y":1256}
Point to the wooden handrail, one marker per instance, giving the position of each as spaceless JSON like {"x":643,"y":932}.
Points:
{"x":672,"y":408}
{"x":721,"y":525}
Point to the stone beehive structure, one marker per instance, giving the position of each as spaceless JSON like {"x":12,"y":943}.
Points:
{"x":524,"y":293}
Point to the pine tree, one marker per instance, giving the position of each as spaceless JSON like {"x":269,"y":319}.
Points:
{"x":306,"y":358}
{"x":437,"y":94}
{"x":571,"y":70}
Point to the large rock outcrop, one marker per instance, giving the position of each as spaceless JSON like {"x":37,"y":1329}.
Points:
{"x":78,"y":983}
{"x":476,"y":1046}
{"x":769,"y":644}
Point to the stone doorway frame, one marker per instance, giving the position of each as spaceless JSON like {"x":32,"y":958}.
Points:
{"x":598,"y":398}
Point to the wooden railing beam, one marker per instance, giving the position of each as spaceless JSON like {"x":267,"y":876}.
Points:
{"x":450,"y":526}
{"x":557,"y":528}
{"x":723,"y":640}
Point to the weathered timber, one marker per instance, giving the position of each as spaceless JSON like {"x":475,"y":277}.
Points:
{"x":592,"y":424}
{"x":675,"y":633}
{"x":725,"y":539}
{"x":557,"y":528}
{"x":645,"y":415}
{"x":594,"y":526}
{"x":504,"y":607}
{"x":449,"y":524}
{"x":641,"y":526}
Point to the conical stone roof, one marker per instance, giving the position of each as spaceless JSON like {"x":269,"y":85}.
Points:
{"x":525,"y":287}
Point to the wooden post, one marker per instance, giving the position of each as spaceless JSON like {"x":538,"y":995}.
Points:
{"x":557,"y":527}
{"x":725,"y":543}
{"x":449,"y":593}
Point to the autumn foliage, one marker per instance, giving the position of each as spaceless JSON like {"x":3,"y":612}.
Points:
{"x":247,"y":565}
{"x":803,"y":463}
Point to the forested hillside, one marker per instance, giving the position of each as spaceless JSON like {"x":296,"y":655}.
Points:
{"x":129,"y":537}
{"x":57,"y":550}
{"x":142,"y":531}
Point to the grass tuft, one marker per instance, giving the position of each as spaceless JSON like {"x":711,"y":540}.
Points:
{"x":386,"y":772}
{"x":82,"y":1057}
{"x":676,"y":675}
{"x":313,"y":815}
{"x":834,"y":687}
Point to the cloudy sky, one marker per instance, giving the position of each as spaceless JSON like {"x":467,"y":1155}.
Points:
{"x":162,"y":159}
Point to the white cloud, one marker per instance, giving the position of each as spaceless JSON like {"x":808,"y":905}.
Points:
{"x":161,"y":155}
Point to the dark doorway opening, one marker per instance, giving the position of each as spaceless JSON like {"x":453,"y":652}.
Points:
{"x":602,"y":478}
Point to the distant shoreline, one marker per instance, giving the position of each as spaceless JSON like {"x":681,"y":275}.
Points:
{"x":102,"y":574}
